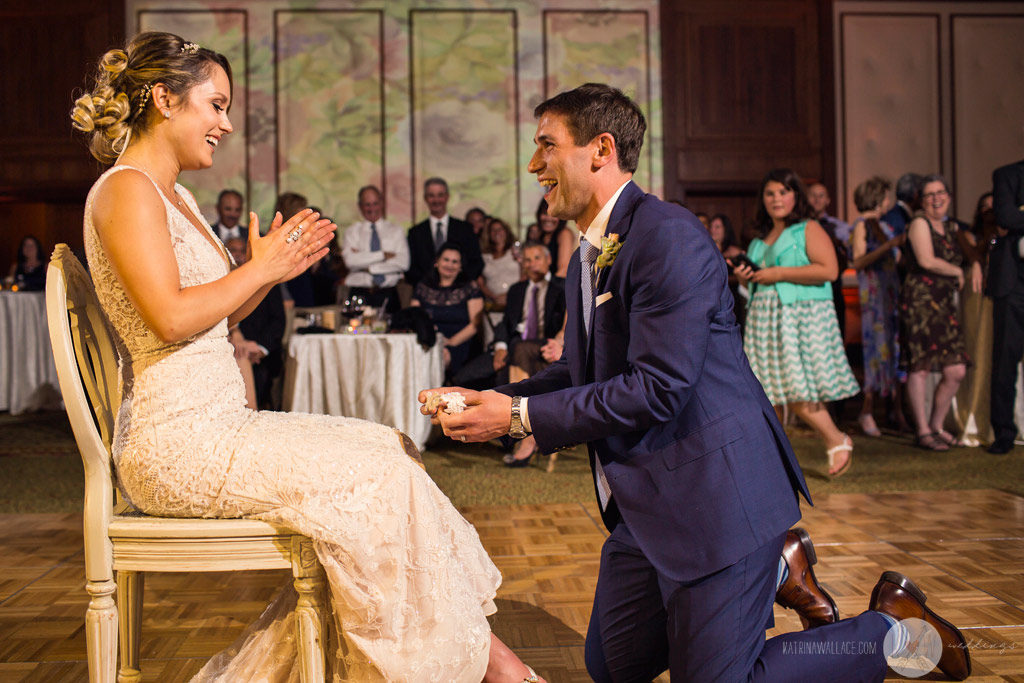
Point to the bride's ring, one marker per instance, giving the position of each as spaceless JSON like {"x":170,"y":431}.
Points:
{"x":294,"y":235}
{"x":462,"y":439}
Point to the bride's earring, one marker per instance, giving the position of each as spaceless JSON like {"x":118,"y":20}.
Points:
{"x":167,"y":113}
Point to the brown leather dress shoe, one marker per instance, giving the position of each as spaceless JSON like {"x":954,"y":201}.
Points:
{"x":800,"y":591}
{"x":897,"y":596}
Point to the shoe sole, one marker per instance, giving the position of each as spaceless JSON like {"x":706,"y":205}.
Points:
{"x":910,"y":587}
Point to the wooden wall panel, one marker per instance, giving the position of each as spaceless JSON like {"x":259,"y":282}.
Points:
{"x":891,"y":97}
{"x":742,"y":93}
{"x":988,"y":110}
{"x":45,"y":167}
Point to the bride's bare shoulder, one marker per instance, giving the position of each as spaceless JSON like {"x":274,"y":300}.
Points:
{"x":127,"y":191}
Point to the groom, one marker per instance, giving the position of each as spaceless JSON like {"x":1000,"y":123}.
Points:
{"x":696,"y":480}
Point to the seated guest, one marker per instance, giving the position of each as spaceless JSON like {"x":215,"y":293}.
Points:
{"x":454,"y":303}
{"x":720,"y":229}
{"x":501,"y":269}
{"x":376,"y":253}
{"x":328,"y":274}
{"x":264,"y":330}
{"x":478,"y":220}
{"x":29,"y":270}
{"x":426,"y":237}
{"x":300,"y":289}
{"x":534,"y":319}
{"x":229,"y":211}
{"x":560,"y":239}
{"x":244,"y":349}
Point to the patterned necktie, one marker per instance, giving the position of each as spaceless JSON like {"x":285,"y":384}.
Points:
{"x":439,"y":236}
{"x":530,"y":331}
{"x":588,"y":257}
{"x":378,"y":279}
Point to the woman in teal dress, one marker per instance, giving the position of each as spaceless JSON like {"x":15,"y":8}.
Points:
{"x":876,"y":251}
{"x":792,"y":336}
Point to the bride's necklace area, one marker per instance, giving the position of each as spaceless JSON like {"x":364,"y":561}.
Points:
{"x":171,"y":196}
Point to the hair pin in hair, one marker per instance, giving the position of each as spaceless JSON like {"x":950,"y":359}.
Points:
{"x":190,"y":48}
{"x":147,"y":90}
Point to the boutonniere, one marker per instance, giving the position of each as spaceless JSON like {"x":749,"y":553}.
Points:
{"x":610,"y":246}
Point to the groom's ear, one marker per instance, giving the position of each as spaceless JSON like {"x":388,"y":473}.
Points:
{"x":604,"y":150}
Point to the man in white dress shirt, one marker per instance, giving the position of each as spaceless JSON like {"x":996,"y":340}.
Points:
{"x":229,"y":211}
{"x":376,"y":253}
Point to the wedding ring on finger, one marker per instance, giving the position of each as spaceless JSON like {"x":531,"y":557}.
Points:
{"x":294,"y":235}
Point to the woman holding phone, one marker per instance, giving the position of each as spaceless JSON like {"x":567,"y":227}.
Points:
{"x":792,"y":335}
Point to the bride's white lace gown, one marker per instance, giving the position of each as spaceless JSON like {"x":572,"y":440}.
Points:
{"x":410,"y":583}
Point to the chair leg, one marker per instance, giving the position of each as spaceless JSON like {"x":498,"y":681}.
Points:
{"x":309,"y":622}
{"x":131,"y":586}
{"x":101,"y":631}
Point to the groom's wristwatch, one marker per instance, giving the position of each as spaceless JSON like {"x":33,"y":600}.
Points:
{"x":516,"y":430}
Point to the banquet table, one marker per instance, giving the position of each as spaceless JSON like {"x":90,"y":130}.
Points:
{"x":372,"y":376}
{"x":28,"y":376}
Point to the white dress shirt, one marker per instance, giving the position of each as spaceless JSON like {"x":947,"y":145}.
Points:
{"x":363,"y":264}
{"x":433,"y":229}
{"x":226,"y":234}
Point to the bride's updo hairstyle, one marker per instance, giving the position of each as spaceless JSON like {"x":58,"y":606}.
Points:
{"x":120,"y":101}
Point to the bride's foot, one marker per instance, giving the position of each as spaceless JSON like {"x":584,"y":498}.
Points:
{"x":503,"y":666}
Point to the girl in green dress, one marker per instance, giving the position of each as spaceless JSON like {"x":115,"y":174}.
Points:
{"x":792,"y":335}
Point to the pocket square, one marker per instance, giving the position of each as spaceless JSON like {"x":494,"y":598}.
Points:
{"x":601,"y":298}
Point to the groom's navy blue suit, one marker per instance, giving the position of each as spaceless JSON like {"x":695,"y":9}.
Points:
{"x":704,"y":483}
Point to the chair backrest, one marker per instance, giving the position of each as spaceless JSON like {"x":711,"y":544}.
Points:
{"x":86,"y":361}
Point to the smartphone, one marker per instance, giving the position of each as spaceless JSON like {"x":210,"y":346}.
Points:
{"x":743,"y":260}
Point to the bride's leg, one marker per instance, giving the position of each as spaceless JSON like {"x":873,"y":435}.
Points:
{"x":503,"y":666}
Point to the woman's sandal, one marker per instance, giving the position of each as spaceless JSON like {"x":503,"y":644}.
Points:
{"x":931,"y":442}
{"x":946,"y":438}
{"x":847,"y":446}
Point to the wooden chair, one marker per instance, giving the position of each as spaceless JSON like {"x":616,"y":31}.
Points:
{"x":122,"y":540}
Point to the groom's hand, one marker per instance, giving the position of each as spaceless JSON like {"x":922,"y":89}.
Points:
{"x":488,"y":415}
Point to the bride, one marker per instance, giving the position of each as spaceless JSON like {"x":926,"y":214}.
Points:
{"x":411,"y":586}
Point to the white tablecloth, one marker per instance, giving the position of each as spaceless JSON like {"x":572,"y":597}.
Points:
{"x":28,"y":376}
{"x":372,"y":376}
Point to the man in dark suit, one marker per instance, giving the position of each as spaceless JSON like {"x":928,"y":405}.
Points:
{"x":908,"y":199}
{"x":229,"y":212}
{"x":426,"y":236}
{"x":696,"y":480}
{"x":1006,"y":287}
{"x":529,"y":336}
{"x":265,"y":328}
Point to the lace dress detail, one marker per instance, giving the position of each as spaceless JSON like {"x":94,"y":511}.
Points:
{"x":411,"y":586}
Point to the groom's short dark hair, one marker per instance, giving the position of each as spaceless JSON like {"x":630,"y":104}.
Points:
{"x":595,"y":108}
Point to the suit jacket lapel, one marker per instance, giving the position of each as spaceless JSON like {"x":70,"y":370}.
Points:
{"x":619,"y":222}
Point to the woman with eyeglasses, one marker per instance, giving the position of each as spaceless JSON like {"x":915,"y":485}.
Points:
{"x":931,"y":337}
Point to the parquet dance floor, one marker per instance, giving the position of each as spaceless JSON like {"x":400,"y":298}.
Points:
{"x":964,"y":548}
